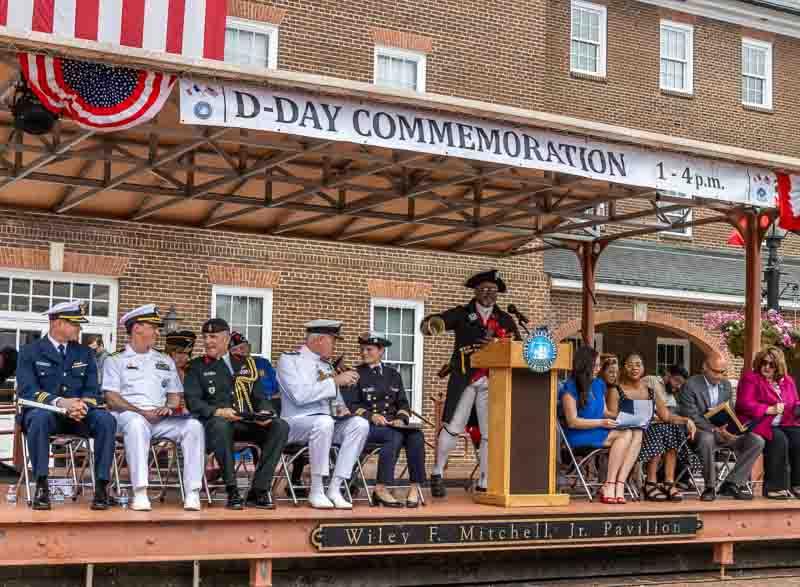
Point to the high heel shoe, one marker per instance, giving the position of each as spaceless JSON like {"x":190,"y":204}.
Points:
{"x":378,"y":500}
{"x":609,"y":500}
{"x":621,"y":500}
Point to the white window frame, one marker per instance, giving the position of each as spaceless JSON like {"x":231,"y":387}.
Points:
{"x":689,"y":29}
{"x":97,"y":325}
{"x":602,"y":49}
{"x":679,"y":214}
{"x":418,"y":57}
{"x":266,"y":295}
{"x":419,"y":310}
{"x":261,"y":28}
{"x":684,"y":342}
{"x":768,"y":77}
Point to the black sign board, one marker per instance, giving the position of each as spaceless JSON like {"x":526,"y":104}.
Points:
{"x":502,"y":533}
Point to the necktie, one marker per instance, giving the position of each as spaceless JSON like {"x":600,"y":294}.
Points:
{"x":63,"y":351}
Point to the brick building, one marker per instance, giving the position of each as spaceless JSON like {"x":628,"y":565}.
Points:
{"x":700,"y":72}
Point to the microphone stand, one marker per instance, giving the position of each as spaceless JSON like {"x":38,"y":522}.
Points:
{"x":525,"y":328}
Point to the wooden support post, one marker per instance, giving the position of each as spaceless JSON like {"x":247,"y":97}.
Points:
{"x":588,"y":255}
{"x":752,"y":306}
{"x":723,"y":556}
{"x":261,"y":572}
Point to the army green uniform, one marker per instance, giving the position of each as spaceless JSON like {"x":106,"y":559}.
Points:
{"x":210,"y":385}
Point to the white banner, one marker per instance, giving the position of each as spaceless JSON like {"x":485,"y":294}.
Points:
{"x":383,"y":125}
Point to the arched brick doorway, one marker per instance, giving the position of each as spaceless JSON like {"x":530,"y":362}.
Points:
{"x":642,"y":334}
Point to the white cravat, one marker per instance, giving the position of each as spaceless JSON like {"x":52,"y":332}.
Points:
{"x":484,"y":311}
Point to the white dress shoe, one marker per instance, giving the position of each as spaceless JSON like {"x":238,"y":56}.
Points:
{"x":339,"y":502}
{"x":192,"y":501}
{"x":141,"y":503}
{"x":320,"y":501}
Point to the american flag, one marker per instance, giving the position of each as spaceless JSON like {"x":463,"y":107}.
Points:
{"x":192,"y":28}
{"x":95,"y":95}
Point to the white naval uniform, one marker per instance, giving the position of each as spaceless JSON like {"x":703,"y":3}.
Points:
{"x":144,"y":380}
{"x":306,"y":406}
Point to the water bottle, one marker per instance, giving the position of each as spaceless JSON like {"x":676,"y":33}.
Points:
{"x":122,"y":499}
{"x":11,"y":495}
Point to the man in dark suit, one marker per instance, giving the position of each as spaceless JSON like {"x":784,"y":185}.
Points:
{"x":58,"y":371}
{"x":474,"y":324}
{"x":700,"y":394}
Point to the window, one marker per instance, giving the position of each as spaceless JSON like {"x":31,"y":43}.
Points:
{"x":577,"y":341}
{"x":587,"y":52}
{"x":399,"y":322}
{"x":677,"y":57}
{"x":398,"y":68}
{"x":756,"y":73}
{"x":672,"y":351}
{"x":248,"y":311}
{"x":251,"y":43}
{"x":677,"y":217}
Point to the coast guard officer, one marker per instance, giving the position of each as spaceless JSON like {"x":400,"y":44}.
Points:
{"x":143,"y":389}
{"x":59,"y":371}
{"x":316,"y":413}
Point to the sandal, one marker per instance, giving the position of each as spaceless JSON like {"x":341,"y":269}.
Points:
{"x":606,"y":499}
{"x":796,"y":491}
{"x":621,"y":500}
{"x":668,"y":489}
{"x":781,"y":494}
{"x":653,"y":492}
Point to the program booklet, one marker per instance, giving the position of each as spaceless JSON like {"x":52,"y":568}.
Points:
{"x":723,"y":415}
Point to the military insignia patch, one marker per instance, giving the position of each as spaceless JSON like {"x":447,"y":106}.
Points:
{"x":162,"y":366}
{"x":164,"y":383}
{"x":540,"y":350}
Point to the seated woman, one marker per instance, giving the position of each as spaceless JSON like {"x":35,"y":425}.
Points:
{"x":609,"y":373}
{"x":662,"y":438}
{"x":587,"y":425}
{"x":766,"y":400}
{"x":379,"y":397}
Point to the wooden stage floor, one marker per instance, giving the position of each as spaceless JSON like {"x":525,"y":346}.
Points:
{"x":71,"y":533}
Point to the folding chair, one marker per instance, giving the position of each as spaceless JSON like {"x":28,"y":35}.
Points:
{"x":68,"y":447}
{"x":370,"y":452}
{"x":579,"y":461}
{"x":241,"y":449}
{"x":724,"y":460}
{"x":157,"y":478}
{"x":293,"y":452}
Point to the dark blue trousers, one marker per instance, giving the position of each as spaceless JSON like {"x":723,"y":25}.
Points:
{"x":40,"y":424}
{"x":391,"y":441}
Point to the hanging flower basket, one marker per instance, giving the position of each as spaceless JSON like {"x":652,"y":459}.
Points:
{"x":775,"y":331}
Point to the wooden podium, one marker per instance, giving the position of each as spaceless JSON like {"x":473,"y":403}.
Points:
{"x":523,"y":438}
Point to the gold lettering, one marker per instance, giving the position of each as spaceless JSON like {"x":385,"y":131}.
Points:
{"x":501,"y":534}
{"x":527,"y":533}
{"x":607,"y":528}
{"x":514,"y":532}
{"x":405,"y":537}
{"x":353,"y":535}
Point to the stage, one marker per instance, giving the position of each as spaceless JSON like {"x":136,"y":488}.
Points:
{"x":73,"y":534}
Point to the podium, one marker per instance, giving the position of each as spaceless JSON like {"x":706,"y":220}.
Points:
{"x":523,"y":437}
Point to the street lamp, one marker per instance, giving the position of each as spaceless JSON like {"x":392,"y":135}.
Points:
{"x":171,"y":320}
{"x":772,"y":272}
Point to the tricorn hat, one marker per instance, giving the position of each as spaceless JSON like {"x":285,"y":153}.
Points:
{"x":490,"y":276}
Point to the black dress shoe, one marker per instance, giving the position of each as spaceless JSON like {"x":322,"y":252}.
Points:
{"x":480,"y":489}
{"x":41,"y":499}
{"x":437,"y":486}
{"x":735,"y":491}
{"x":235,"y":501}
{"x":101,"y":500}
{"x":260,"y":499}
{"x":708,"y":494}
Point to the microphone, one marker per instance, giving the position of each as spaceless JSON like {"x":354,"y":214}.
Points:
{"x":512,"y":309}
{"x":521,"y":318}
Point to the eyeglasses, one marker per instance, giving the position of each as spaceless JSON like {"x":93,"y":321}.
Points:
{"x":487,"y":290}
{"x":768,"y":364}
{"x":718,"y":371}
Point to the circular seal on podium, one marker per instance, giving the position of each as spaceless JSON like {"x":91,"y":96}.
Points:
{"x":540,"y":350}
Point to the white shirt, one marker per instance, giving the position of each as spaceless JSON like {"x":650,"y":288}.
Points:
{"x":713,"y":393}
{"x":227,"y":359}
{"x":56,"y":344}
{"x":142,"y":379}
{"x":484,"y":311}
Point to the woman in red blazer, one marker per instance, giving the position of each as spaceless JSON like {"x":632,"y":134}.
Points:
{"x":766,"y":399}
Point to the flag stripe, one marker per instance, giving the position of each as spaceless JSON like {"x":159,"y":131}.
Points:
{"x":214,"y":35}
{"x":155,"y":25}
{"x":87,"y":18}
{"x":110,"y":21}
{"x":193,"y":35}
{"x":132,"y":23}
{"x":175,"y":26}
{"x":3,"y":12}
{"x":42,"y":21}
{"x":21,"y":16}
{"x":64,"y":18}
